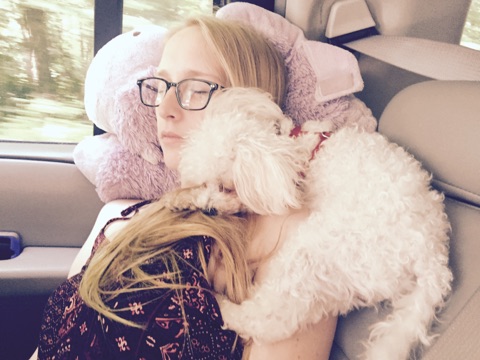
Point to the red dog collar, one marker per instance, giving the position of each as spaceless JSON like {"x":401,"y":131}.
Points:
{"x":322,"y":136}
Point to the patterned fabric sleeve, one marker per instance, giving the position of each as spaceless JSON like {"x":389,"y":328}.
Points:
{"x":167,"y":335}
{"x":71,"y":330}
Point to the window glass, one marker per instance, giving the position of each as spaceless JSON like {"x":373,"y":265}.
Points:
{"x":45,"y":50}
{"x":471,"y":32}
{"x":165,"y":13}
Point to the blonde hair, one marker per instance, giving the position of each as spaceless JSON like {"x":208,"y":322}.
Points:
{"x":116,"y":268}
{"x":246,"y":56}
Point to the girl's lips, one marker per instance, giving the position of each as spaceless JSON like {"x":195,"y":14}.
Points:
{"x":170,"y":137}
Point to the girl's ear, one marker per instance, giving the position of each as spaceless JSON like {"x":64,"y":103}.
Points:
{"x":267,"y":175}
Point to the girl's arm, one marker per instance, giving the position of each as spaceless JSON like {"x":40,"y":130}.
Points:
{"x":312,"y":343}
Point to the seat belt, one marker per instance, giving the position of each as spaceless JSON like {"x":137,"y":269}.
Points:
{"x":432,"y":59}
{"x":351,"y":25}
{"x":462,"y":338}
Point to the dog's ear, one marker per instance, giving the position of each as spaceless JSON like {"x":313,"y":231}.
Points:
{"x":267,"y":175}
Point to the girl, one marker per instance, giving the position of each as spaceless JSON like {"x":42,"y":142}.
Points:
{"x":147,"y":290}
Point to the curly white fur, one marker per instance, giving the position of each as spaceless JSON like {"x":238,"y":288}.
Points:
{"x":376,"y":232}
{"x":236,"y":166}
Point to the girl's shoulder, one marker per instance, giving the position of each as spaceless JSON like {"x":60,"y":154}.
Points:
{"x":271,"y":230}
{"x":270,"y":234}
{"x":109,"y":212}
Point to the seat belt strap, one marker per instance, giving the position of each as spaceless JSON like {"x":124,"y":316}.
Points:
{"x":432,"y":59}
{"x":462,"y":338}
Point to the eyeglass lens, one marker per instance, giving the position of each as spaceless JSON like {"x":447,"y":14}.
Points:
{"x":191,"y":94}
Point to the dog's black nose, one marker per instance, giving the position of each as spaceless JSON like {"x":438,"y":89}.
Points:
{"x":210,"y":212}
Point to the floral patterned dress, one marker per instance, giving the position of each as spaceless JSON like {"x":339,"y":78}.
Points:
{"x":72,"y":330}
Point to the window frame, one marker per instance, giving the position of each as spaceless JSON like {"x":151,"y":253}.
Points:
{"x":107,"y":24}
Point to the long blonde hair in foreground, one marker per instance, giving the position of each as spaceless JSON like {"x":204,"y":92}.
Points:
{"x":116,"y":268}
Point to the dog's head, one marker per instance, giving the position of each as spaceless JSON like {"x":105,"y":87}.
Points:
{"x":243,"y":147}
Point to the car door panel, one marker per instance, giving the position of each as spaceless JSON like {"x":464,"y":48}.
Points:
{"x":52,"y":206}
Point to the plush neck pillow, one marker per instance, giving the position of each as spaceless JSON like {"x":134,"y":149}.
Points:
{"x":127,"y":163}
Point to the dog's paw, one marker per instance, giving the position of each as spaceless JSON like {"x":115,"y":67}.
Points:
{"x":211,"y":199}
{"x":177,"y":201}
{"x":232,"y":316}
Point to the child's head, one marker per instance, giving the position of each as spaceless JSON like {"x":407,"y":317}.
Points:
{"x":216,"y":54}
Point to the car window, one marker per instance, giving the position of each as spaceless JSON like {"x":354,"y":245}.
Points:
{"x":45,"y":50}
{"x":471,"y":31}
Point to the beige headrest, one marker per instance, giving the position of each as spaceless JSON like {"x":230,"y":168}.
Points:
{"x":439,"y":123}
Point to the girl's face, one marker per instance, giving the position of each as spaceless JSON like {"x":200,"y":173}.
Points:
{"x":185,"y":56}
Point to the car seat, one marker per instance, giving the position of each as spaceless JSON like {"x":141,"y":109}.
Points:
{"x":439,"y":123}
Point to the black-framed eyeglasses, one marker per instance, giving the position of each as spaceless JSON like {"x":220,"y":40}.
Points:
{"x":192,"y":94}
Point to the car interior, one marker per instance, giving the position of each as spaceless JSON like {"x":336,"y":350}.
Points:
{"x":421,"y":84}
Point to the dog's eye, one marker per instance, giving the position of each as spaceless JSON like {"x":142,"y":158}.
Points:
{"x":225,"y":190}
{"x":278,"y":128}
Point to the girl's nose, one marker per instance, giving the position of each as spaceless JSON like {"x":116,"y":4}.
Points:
{"x":169,"y":107}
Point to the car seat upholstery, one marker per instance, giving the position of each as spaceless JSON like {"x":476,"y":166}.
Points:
{"x":439,"y":123}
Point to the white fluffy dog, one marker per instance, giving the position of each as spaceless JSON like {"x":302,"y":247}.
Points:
{"x":376,"y":232}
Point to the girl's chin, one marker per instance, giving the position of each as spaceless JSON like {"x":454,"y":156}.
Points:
{"x":171,"y":160}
